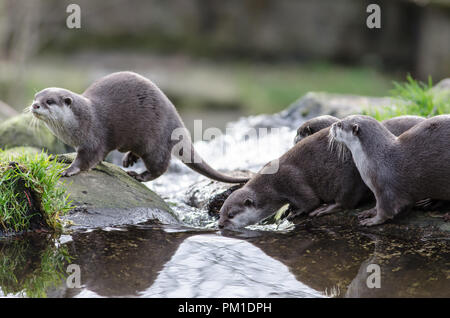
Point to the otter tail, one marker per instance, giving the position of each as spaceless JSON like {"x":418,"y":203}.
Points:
{"x":196,"y":163}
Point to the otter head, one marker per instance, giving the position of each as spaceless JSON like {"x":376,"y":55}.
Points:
{"x":302,"y":132}
{"x":244,"y":207}
{"x":314,"y":125}
{"x":345,"y":131}
{"x":54,"y":106}
{"x":356,"y":130}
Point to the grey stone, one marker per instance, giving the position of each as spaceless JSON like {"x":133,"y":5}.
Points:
{"x":107,"y":196}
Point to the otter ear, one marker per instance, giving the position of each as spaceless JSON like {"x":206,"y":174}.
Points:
{"x":248,"y":202}
{"x":355,"y":129}
{"x":68,"y":101}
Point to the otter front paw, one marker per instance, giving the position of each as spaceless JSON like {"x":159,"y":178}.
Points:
{"x":71,"y":171}
{"x":129,"y":159}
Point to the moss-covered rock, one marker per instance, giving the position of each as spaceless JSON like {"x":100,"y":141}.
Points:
{"x":107,"y":196}
{"x":18,"y":131}
{"x":30,"y":196}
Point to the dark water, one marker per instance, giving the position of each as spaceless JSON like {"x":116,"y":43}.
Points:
{"x":157,"y":261}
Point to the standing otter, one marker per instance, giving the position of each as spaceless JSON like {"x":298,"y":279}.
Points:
{"x":309,"y":175}
{"x":399,"y":170}
{"x":123,"y":111}
{"x":396,"y":125}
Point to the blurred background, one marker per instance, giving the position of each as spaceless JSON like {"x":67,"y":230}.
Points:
{"x":218,"y":60}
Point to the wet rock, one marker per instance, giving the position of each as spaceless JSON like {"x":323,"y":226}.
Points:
{"x":17,"y":131}
{"x":209,"y":195}
{"x":415,"y":225}
{"x":107,"y":196}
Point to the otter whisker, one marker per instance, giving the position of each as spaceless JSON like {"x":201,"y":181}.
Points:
{"x":338,"y":147}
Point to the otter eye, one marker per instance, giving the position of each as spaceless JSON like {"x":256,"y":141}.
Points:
{"x":231,"y":215}
{"x":50,"y":101}
{"x":339,"y":124}
{"x":355,"y":129}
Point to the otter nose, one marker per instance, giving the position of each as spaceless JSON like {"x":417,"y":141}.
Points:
{"x":36,"y":106}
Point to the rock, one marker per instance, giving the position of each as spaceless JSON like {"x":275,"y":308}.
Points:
{"x":443,"y":85}
{"x":415,"y":225}
{"x":442,"y":89}
{"x":107,"y":196}
{"x":316,"y":104}
{"x":17,"y":131}
{"x":6,"y":111}
{"x":209,"y":195}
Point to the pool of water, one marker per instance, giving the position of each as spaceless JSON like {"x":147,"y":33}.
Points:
{"x":151,"y":260}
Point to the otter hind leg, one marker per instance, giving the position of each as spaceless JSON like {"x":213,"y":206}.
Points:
{"x":155,"y":167}
{"x":306,"y":200}
{"x":129,"y":159}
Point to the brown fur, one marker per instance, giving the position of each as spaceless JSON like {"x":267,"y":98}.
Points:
{"x":399,"y":171}
{"x":309,"y":176}
{"x":123,"y":111}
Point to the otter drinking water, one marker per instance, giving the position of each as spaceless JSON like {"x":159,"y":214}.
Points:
{"x":399,"y":170}
{"x":309,"y":175}
{"x":123,"y":111}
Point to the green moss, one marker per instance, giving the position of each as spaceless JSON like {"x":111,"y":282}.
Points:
{"x":29,"y":190}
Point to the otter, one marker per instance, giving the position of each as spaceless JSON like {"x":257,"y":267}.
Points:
{"x":396,"y":125}
{"x":308,"y":175}
{"x":398,"y":170}
{"x":311,"y":178}
{"x":123,"y":111}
